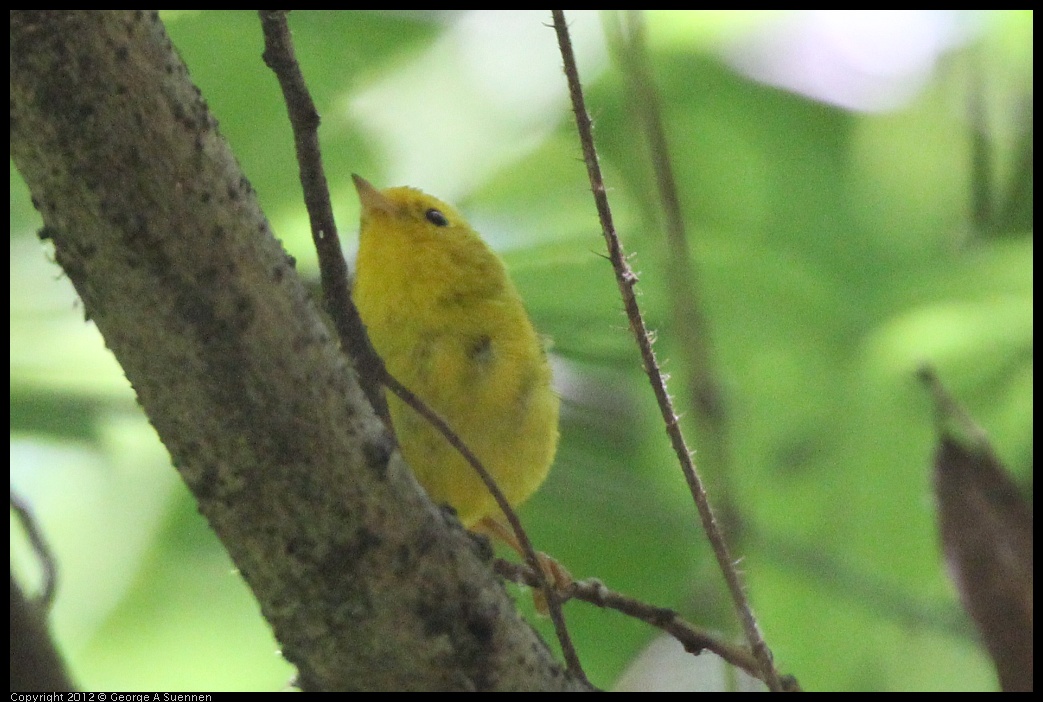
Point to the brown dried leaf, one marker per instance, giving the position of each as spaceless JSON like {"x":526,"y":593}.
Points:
{"x":986,"y":532}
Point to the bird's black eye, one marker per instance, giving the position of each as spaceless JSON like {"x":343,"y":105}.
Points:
{"x":436,"y":218}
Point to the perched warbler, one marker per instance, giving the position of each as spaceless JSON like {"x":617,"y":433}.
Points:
{"x":451,"y":327}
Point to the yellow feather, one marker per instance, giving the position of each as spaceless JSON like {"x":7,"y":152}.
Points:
{"x":450,"y":325}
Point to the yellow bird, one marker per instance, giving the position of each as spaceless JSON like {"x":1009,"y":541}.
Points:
{"x":450,"y":326}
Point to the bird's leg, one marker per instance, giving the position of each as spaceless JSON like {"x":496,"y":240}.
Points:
{"x":554,"y":572}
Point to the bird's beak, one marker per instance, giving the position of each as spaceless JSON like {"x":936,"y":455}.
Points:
{"x":372,"y":199}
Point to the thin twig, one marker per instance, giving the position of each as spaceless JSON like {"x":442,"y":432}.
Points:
{"x":626,"y":280}
{"x":694,"y":639}
{"x":554,"y":599}
{"x":36,"y":540}
{"x":304,"y":118}
{"x":691,"y":327}
{"x":981,"y":166}
{"x":1015,"y":217}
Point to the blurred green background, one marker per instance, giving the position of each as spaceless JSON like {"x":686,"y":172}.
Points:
{"x":824,"y":163}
